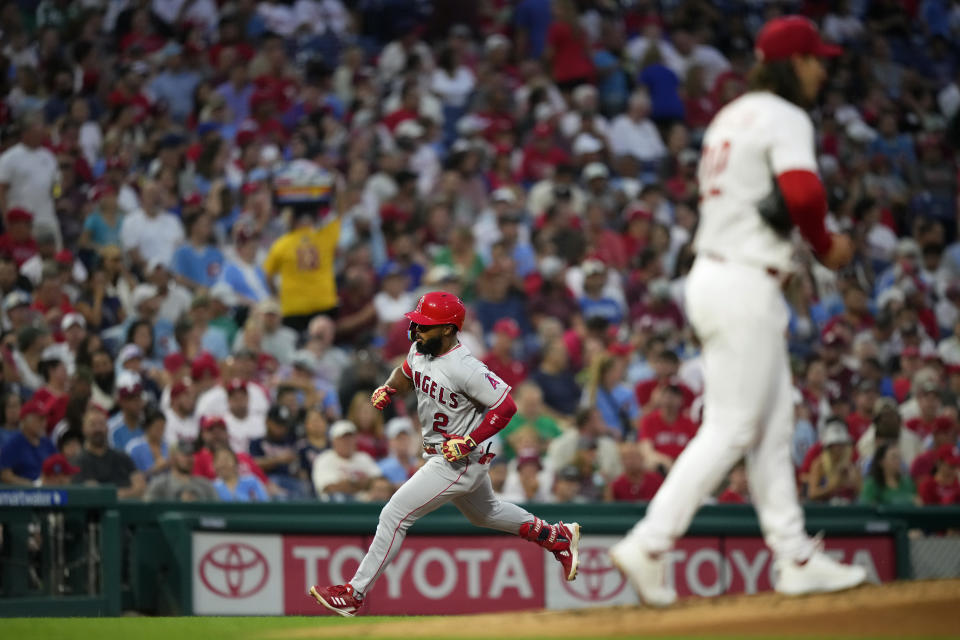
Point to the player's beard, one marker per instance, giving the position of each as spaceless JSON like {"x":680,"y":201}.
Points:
{"x":430,"y":346}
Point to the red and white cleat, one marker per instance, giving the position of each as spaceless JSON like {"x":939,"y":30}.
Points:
{"x":338,"y":598}
{"x":568,"y":554}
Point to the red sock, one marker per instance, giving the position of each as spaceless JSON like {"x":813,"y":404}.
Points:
{"x":549,"y":536}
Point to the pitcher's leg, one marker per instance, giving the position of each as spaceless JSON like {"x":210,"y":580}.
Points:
{"x":770,"y":474}
{"x":432,"y":485}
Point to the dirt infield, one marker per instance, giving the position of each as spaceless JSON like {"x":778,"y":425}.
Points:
{"x":896,"y":610}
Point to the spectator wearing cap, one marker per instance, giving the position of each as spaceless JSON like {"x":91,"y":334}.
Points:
{"x":102,"y":465}
{"x":342,"y":473}
{"x":541,"y":155}
{"x":29,"y":176}
{"x":665,"y":430}
{"x":905,"y":267}
{"x":198,"y":263}
{"x":665,"y":365}
{"x":658,"y":308}
{"x":402,"y":460}
{"x":834,"y":476}
{"x":58,"y":471}
{"x":605,"y":389}
{"x":638,"y":482}
{"x":634,"y":134}
{"x":212,"y":394}
{"x":243,"y":426}
{"x":101,"y":227}
{"x":265,"y":332}
{"x":230,"y":485}
{"x":150,"y":452}
{"x":888,"y":427}
{"x":151,"y":232}
{"x":311,"y":389}
{"x":53,"y":394}
{"x":33,"y":267}
{"x":585,"y":114}
{"x":864,"y":398}
{"x":49,"y":298}
{"x":527,"y":480}
{"x":22,"y":456}
{"x":276,"y":452}
{"x":927,"y":395}
{"x":31,"y":343}
{"x":175,"y":84}
{"x":180,"y":485}
{"x":589,"y":427}
{"x":242,"y":271}
{"x":944,"y":434}
{"x":214,"y":436}
{"x":531,"y":423}
{"x":595,"y":300}
{"x":943,"y":486}
{"x":128,"y":422}
{"x":886,"y":483}
{"x":501,"y":358}
{"x":17,"y":240}
{"x":181,"y":420}
{"x":16,"y":311}
{"x":566,"y":486}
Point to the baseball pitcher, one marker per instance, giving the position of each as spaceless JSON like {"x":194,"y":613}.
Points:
{"x":758,"y":180}
{"x":461,"y":403}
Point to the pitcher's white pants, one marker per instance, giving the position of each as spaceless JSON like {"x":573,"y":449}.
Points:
{"x":465,"y":483}
{"x":741,"y":318}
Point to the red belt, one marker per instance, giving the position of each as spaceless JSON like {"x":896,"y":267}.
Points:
{"x":771,"y":271}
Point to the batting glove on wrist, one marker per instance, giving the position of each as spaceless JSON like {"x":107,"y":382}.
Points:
{"x":381,"y":397}
{"x":457,"y":448}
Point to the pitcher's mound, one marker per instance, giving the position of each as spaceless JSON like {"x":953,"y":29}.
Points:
{"x":896,"y":610}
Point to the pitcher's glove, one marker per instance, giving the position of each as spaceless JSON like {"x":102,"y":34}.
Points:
{"x":457,"y":448}
{"x":381,"y":397}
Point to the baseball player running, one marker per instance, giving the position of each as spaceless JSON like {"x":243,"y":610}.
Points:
{"x":460,"y":404}
{"x":758,"y":179}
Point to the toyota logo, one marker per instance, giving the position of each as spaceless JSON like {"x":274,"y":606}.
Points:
{"x":597,"y":579}
{"x":234,"y":570}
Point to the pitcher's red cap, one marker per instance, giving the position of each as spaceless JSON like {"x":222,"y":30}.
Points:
{"x":789,"y":36}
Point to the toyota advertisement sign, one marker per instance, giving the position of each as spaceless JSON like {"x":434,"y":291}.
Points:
{"x":246,"y":574}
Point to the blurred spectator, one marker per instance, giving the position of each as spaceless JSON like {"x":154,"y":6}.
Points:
{"x":276,"y":452}
{"x":606,"y":390}
{"x":737,"y":490}
{"x":944,"y":434}
{"x":566,"y":486}
{"x":150,"y":232}
{"x":531,"y":418}
{"x":127,"y":423}
{"x":834,"y":477}
{"x":178,"y":484}
{"x":887,"y":483}
{"x":560,"y":390}
{"x":665,"y":364}
{"x":342,"y":472}
{"x":99,"y":464}
{"x":243,"y":425}
{"x":887,"y":427}
{"x":198,"y":263}
{"x":21,"y":458}
{"x":943,"y":487}
{"x":568,"y":48}
{"x":501,"y":359}
{"x":589,"y":428}
{"x":403,"y":459}
{"x":232,"y":487}
{"x":634,"y":134}
{"x":18,"y":241}
{"x":665,"y":432}
{"x":639,"y":481}
{"x":30,"y":176}
{"x":370,"y":437}
{"x":928,"y":402}
{"x":10,"y":426}
{"x":58,"y":471}
{"x":150,"y":451}
{"x":527,"y":480}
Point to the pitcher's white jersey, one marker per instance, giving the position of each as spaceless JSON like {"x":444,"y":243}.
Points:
{"x":752,"y":140}
{"x":454,"y":390}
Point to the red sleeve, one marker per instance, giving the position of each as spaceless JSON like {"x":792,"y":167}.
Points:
{"x":496,"y":419}
{"x":927,"y":491}
{"x":407,"y":371}
{"x":807,"y":203}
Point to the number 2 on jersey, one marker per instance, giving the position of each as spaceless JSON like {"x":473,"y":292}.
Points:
{"x":440,"y":420}
{"x":713,"y":162}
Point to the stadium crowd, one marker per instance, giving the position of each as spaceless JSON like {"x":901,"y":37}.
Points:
{"x":215,"y":214}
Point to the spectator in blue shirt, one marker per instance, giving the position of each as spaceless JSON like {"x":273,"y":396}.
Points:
{"x":236,"y":92}
{"x":21,"y":460}
{"x":230,"y":486}
{"x":198,"y":263}
{"x":125,"y":425}
{"x":663,"y":85}
{"x":594,"y":302}
{"x":149,"y":451}
{"x":532,"y":19}
{"x":607,"y":391}
{"x":560,"y":390}
{"x":242,"y":273}
{"x":102,"y":226}
{"x":401,"y":462}
{"x":175,"y":84}
{"x":10,"y":424}
{"x":276,"y":453}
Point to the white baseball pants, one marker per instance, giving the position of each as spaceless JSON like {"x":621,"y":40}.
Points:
{"x":465,"y":483}
{"x":741,"y":319}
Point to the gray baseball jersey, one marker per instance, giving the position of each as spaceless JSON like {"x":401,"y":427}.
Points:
{"x":454,"y":390}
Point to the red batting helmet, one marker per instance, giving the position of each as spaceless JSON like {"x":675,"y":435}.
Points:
{"x":438,"y":307}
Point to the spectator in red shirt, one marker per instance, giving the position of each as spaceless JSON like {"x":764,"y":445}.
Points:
{"x":944,"y":440}
{"x":568,"y":49}
{"x":637,"y":482}
{"x":541,"y":155}
{"x":18,"y":241}
{"x":52,"y":396}
{"x":665,"y":431}
{"x":864,"y":399}
{"x":737,"y":491}
{"x":835,"y":345}
{"x":213,"y":433}
{"x":943,"y":487}
{"x":636,"y":235}
{"x":49,"y":298}
{"x":856,"y":316}
{"x":658,"y":309}
{"x":500,"y":358}
{"x":665,"y":365}
{"x":409,"y":107}
{"x":928,"y":401}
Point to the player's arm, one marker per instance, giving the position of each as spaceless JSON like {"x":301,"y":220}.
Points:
{"x":400,"y":381}
{"x":495,"y":419}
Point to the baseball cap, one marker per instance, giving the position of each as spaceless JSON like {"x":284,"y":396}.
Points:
{"x":550,"y":266}
{"x":129,"y":352}
{"x":72,"y":319}
{"x":19,"y":214}
{"x":586,"y":143}
{"x":593,"y":267}
{"x":341,"y":428}
{"x":142,"y":293}
{"x":304,"y":359}
{"x":204,"y":363}
{"x":209,"y":422}
{"x":236,"y":384}
{"x":659,"y":288}
{"x":528,"y":456}
{"x":409,"y":129}
{"x":179,"y":387}
{"x":503,"y":194}
{"x":281,"y":415}
{"x":788,"y":36}
{"x":398,"y":425}
{"x":835,"y":433}
{"x":223,"y":293}
{"x":174,"y":361}
{"x":943,"y":424}
{"x":33,"y":406}
{"x":268,"y":306}
{"x":184,"y":446}
{"x":569,"y":472}
{"x":16,"y":298}
{"x":508,"y":326}
{"x":128,"y":386}
{"x":58,"y":465}
{"x":595,"y":170}
{"x":885,"y":404}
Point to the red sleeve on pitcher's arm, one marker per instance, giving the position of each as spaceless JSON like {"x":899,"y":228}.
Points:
{"x":497,"y":418}
{"x":807,"y":203}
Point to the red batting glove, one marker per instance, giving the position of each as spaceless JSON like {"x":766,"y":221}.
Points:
{"x":381,"y":397}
